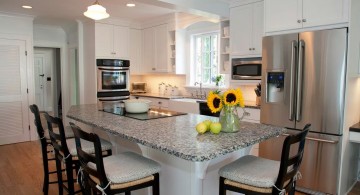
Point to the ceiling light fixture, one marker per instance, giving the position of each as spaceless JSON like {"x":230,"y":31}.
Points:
{"x":96,"y":12}
{"x":27,"y":6}
{"x":130,"y":3}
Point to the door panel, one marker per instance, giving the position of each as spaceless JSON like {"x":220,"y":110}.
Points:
{"x":39,"y":81}
{"x":13,"y":96}
{"x":323,"y":80}
{"x":282,"y":15}
{"x":277,"y":52}
{"x":241,"y":29}
{"x":258,"y":27}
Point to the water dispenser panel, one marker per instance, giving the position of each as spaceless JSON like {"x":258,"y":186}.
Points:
{"x":276,"y":78}
{"x":275,"y":87}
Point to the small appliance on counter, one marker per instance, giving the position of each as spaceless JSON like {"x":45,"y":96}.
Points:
{"x":258,"y":94}
{"x":138,"y":87}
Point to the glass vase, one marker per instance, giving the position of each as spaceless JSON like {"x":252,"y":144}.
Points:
{"x":229,"y":119}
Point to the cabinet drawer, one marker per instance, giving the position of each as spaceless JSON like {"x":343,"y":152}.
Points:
{"x":155,"y":102}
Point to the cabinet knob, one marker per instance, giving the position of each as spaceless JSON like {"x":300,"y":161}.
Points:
{"x":249,"y":49}
{"x":153,"y":69}
{"x":304,"y":20}
{"x":299,"y":21}
{"x":253,"y":48}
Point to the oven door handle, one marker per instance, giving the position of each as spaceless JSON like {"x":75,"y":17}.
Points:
{"x":113,"y":68}
{"x":113,"y":99}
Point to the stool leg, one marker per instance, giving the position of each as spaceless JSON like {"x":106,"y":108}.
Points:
{"x":59,"y":175}
{"x":70,"y":176}
{"x":156,"y":186}
{"x":222,"y":190}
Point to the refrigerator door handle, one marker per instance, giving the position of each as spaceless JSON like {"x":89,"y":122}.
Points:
{"x":292,"y":78}
{"x":316,"y":139}
{"x":299,"y":80}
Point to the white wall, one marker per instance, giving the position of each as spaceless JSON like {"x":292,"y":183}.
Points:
{"x":87,"y":64}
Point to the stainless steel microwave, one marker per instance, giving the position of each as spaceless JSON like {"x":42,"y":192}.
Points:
{"x":246,"y":68}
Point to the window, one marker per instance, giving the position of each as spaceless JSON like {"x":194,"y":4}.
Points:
{"x":206,"y":57}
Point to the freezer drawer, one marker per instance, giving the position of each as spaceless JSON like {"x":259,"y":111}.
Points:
{"x":320,"y":165}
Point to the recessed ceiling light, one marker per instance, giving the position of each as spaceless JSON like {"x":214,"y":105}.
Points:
{"x":130,"y":4}
{"x":27,"y":6}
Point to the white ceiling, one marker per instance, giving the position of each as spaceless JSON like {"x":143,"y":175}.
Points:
{"x":59,"y":11}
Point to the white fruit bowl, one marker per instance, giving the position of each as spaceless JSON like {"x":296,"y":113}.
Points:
{"x":137,"y":105}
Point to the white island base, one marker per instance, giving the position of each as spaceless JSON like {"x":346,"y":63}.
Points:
{"x":178,"y":176}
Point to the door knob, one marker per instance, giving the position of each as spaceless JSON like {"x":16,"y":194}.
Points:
{"x":42,"y":75}
{"x":304,"y":20}
{"x":299,"y":21}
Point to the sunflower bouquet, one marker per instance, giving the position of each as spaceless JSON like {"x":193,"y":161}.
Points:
{"x":226,"y":104}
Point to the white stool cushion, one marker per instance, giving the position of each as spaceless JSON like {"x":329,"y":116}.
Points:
{"x":252,"y":170}
{"x":86,"y":146}
{"x":128,"y":166}
{"x":68,"y":132}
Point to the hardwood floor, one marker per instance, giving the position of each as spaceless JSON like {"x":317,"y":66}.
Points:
{"x":21,"y":171}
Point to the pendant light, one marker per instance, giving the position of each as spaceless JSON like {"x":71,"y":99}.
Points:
{"x":96,"y":12}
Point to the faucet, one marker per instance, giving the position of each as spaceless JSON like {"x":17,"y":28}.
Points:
{"x":201,"y":96}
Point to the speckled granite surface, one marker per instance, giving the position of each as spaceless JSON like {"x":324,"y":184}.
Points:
{"x":175,"y":135}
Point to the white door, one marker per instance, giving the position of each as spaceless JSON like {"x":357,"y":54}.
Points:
{"x":14,"y":109}
{"x":258,"y":28}
{"x":104,"y":40}
{"x":161,"y":48}
{"x":39,"y":62}
{"x":121,"y":42}
{"x":148,"y":50}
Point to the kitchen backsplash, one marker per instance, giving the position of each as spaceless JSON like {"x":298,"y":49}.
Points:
{"x":153,"y":82}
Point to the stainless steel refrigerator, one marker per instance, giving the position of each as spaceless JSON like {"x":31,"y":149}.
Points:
{"x":303,"y":75}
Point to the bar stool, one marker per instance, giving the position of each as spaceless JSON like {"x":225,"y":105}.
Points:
{"x":65,"y":151}
{"x":45,"y":142}
{"x":255,"y":175}
{"x":119,"y":173}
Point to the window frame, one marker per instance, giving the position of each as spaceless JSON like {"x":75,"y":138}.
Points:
{"x":193,"y":54}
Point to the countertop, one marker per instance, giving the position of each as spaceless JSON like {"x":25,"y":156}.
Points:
{"x":248,"y":104}
{"x":175,"y":135}
{"x":355,"y":128}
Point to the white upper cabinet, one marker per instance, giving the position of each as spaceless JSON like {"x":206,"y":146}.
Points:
{"x":136,"y":51}
{"x":156,"y":52}
{"x":246,"y":29}
{"x":111,"y":41}
{"x":283,"y":15}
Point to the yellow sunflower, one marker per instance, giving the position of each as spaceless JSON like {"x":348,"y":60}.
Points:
{"x":214,"y":102}
{"x":233,"y":97}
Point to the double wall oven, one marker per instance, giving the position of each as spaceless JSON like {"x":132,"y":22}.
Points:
{"x":113,"y":80}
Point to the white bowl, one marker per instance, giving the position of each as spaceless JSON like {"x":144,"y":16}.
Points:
{"x":137,"y":105}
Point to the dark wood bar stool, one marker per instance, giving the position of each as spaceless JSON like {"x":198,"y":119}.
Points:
{"x":65,"y":151}
{"x":119,"y":173}
{"x":255,"y":175}
{"x":44,"y":143}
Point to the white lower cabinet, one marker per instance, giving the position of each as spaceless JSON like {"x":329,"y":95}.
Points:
{"x":155,"y":102}
{"x":254,"y":117}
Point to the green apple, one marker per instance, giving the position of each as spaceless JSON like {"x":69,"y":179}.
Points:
{"x":207,"y":123}
{"x":215,"y":128}
{"x":201,"y":128}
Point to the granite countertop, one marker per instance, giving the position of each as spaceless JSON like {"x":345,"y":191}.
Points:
{"x":355,"y":128}
{"x":175,"y":135}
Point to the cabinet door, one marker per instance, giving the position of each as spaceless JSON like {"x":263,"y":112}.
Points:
{"x":324,"y":12}
{"x":258,"y":28}
{"x":148,"y":49}
{"x":161,"y":48}
{"x":104,"y":40}
{"x":121,"y":42}
{"x":283,"y":15}
{"x":240,"y":30}
{"x":135,"y":51}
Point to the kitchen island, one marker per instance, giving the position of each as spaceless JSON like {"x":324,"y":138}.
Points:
{"x":189,"y":161}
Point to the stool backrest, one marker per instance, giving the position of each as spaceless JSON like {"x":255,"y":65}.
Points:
{"x":58,"y":140}
{"x":40,"y":130}
{"x":85,"y":158}
{"x":290,"y":164}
